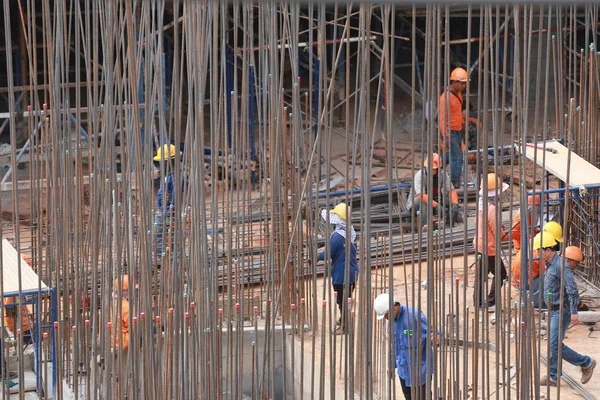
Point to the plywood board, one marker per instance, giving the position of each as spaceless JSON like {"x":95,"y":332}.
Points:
{"x":10,"y":271}
{"x":582,"y":173}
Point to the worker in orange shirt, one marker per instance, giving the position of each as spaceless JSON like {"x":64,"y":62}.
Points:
{"x":533,"y":219}
{"x":485,"y":242}
{"x":11,"y":318}
{"x":534,"y":272}
{"x":452,"y":123}
{"x":119,"y":334}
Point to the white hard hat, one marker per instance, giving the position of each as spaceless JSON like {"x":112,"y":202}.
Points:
{"x":382,"y":305}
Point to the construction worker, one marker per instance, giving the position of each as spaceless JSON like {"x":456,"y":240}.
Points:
{"x":166,"y":154}
{"x":407,"y":321}
{"x":574,"y":257}
{"x":418,"y":197}
{"x":535,"y":271}
{"x":552,"y":287}
{"x":11,"y":318}
{"x":162,"y":218}
{"x":485,"y":242}
{"x":343,"y":285}
{"x":119,"y":339}
{"x":533,"y":219}
{"x":452,"y":123}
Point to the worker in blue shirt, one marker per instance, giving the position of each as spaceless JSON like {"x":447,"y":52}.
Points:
{"x":568,"y":309}
{"x":166,"y":154}
{"x":409,"y":344}
{"x":343,"y":281}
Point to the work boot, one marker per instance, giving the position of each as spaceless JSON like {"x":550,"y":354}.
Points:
{"x":586,"y":372}
{"x":545,"y":381}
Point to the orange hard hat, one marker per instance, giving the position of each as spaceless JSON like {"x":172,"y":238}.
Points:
{"x":125,"y":279}
{"x":534,"y":199}
{"x":459,"y":74}
{"x":435,"y":161}
{"x":574,"y":253}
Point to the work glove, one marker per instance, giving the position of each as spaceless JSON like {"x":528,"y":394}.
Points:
{"x":457,"y":217}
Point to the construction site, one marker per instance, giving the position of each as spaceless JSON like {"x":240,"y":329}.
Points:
{"x":279,"y":200}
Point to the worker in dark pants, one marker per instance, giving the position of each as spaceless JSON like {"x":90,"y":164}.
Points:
{"x":338,"y":218}
{"x":408,"y":342}
{"x":452,"y":123}
{"x":567,"y":309}
{"x":443,"y":201}
{"x":486,"y":251}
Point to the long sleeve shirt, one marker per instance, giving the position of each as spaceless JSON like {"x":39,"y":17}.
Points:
{"x":169,"y":185}
{"x":490,"y":232}
{"x":552,"y":284}
{"x":407,"y":353}
{"x":338,"y":257}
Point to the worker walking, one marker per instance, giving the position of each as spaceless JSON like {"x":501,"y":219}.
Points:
{"x":419,"y":198}
{"x":535,"y":272}
{"x":574,"y":257}
{"x":485,"y":242}
{"x":533,"y":219}
{"x":552,"y":287}
{"x":343,"y":281}
{"x":452,"y":123}
{"x":410,"y":346}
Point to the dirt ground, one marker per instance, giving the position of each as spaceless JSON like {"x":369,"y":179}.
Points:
{"x":579,"y":337}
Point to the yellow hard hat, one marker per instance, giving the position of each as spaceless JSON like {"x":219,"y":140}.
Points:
{"x":166,"y":152}
{"x":555,"y":230}
{"x":435,"y":158}
{"x":545,"y":242}
{"x":493,"y":182}
{"x":459,"y":74}
{"x":340,"y":210}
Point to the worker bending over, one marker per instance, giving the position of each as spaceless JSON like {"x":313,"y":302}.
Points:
{"x":409,"y":346}
{"x":452,"y":123}
{"x":552,"y":287}
{"x":419,"y":198}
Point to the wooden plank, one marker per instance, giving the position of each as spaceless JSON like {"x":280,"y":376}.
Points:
{"x":10,"y":271}
{"x":582,"y":172}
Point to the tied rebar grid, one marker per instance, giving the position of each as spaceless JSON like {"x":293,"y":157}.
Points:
{"x":268,"y":104}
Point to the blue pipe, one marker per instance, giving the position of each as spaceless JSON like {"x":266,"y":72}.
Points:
{"x":81,"y":130}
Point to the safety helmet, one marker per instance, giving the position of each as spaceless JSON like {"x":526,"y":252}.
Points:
{"x":166,"y":152}
{"x":544,"y":242}
{"x":459,"y":74}
{"x":555,"y":230}
{"x":534,"y":199}
{"x":494,"y":183}
{"x":125,"y":282}
{"x":381,"y":305}
{"x":574,"y":253}
{"x":341,"y":210}
{"x":435,"y":161}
